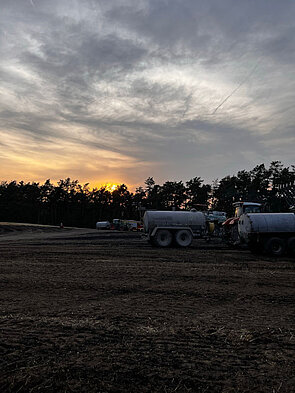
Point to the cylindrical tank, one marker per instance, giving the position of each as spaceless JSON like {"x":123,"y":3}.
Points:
{"x":103,"y":225}
{"x":193,"y":219}
{"x":266,"y":223}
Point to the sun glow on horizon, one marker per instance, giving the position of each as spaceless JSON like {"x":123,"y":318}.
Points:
{"x":109,"y":186}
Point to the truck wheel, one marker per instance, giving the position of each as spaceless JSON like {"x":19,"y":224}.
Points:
{"x":275,"y":246}
{"x":183,"y":238}
{"x":291,"y":246}
{"x":163,"y":238}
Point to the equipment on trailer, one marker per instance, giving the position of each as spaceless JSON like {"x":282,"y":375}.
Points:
{"x":216,"y":216}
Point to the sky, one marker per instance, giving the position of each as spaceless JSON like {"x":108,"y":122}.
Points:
{"x":116,"y":91}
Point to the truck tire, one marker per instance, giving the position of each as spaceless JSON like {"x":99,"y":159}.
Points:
{"x":291,"y":246}
{"x":275,"y":246}
{"x":163,"y":238}
{"x":183,"y":238}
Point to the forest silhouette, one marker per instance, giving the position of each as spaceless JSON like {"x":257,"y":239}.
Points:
{"x":78,"y":205}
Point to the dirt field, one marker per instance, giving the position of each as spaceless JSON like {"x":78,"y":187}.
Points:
{"x":88,"y":311}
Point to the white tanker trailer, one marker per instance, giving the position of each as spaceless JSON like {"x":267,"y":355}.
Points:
{"x":163,"y":228}
{"x":273,"y":233}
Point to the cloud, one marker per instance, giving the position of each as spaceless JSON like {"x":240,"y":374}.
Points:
{"x":134,"y":86}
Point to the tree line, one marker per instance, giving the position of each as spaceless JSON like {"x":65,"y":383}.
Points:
{"x":74,"y":204}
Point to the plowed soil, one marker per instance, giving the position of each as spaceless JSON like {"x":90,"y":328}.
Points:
{"x":88,"y":311}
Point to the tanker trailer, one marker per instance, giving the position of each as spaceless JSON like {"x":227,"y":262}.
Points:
{"x":272,"y":233}
{"x":163,"y":228}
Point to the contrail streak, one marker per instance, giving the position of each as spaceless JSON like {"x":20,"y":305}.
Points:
{"x":235,"y":90}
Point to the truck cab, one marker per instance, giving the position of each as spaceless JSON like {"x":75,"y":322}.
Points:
{"x":246,"y":207}
{"x":230,"y":226}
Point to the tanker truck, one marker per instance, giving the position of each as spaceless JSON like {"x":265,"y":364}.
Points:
{"x":164,"y":228}
{"x":271,"y":233}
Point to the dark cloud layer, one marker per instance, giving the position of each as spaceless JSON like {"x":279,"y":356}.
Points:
{"x":127,"y":89}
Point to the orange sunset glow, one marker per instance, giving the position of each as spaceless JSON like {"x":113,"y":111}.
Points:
{"x":107,"y":99}
{"x":109,"y":186}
